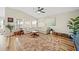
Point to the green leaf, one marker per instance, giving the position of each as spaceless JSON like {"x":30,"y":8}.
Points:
{"x":74,"y":24}
{"x":77,"y":22}
{"x":70,"y":26}
{"x":73,"y":19}
{"x":70,"y":23}
{"x":77,"y":18}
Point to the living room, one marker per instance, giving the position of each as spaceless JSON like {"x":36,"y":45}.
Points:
{"x":37,"y":23}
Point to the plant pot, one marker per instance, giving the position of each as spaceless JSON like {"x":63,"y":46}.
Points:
{"x":77,"y":41}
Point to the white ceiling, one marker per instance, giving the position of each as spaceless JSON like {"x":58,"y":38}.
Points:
{"x":49,"y":10}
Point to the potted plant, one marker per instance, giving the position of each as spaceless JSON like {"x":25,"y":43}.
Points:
{"x":10,"y":27}
{"x":74,"y":26}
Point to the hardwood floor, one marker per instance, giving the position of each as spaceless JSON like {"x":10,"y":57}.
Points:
{"x":42,"y":42}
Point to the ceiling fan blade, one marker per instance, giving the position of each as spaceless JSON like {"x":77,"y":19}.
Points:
{"x":42,"y":11}
{"x":39,"y":8}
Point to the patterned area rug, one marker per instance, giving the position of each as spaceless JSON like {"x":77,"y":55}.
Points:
{"x":42,"y":42}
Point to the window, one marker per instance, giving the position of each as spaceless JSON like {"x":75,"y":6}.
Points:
{"x":27,"y":23}
{"x":1,"y":23}
{"x":34,"y":23}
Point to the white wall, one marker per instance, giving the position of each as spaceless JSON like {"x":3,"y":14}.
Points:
{"x":18,"y":15}
{"x":2,"y":12}
{"x":2,"y":18}
{"x":2,"y":37}
{"x":61,"y":21}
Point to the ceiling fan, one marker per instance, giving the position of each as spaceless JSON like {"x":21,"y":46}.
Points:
{"x":40,"y":10}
